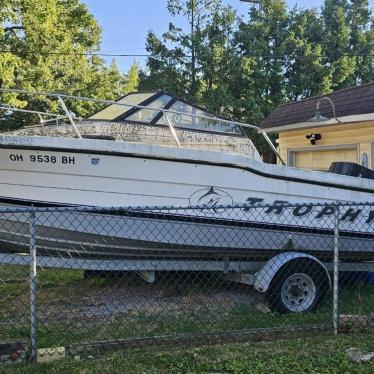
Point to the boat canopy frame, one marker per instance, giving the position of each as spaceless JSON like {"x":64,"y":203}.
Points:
{"x":69,"y":115}
{"x":40,"y":114}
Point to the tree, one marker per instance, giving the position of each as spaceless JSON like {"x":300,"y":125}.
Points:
{"x":305,"y":72}
{"x":244,"y":68}
{"x":263,"y":40}
{"x":360,"y":20}
{"x":48,"y":42}
{"x":336,"y":43}
{"x":132,"y":79}
{"x":348,"y":42}
{"x":195,"y":63}
{"x":262,"y":45}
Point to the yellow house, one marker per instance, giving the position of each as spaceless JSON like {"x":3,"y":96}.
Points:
{"x":320,"y":130}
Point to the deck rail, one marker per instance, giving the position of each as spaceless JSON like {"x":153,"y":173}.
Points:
{"x":60,"y":97}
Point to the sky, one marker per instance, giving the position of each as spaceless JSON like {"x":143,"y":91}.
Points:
{"x":125,"y":23}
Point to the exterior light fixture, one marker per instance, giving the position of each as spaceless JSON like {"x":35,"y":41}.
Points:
{"x":318,"y":117}
{"x":313,"y":138}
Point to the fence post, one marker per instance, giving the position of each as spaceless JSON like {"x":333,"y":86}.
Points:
{"x":336,"y":271}
{"x":33,"y":288}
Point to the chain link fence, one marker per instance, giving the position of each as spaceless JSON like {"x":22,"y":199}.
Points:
{"x":79,"y":279}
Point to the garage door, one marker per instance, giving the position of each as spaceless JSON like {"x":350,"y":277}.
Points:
{"x":322,"y":159}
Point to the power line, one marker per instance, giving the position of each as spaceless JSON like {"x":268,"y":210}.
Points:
{"x":124,"y":41}
{"x":254,"y":55}
{"x":116,"y":50}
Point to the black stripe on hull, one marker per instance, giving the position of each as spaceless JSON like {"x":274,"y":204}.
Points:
{"x":75,"y":243}
{"x":165,"y":216}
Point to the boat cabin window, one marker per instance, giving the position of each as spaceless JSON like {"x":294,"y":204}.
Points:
{"x":147,"y":115}
{"x":163,"y":100}
{"x":193,"y":123}
{"x":110,"y":112}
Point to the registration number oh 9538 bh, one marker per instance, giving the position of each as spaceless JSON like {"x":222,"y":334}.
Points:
{"x":42,"y":158}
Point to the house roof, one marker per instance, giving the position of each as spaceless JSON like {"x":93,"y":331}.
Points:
{"x":348,"y":102}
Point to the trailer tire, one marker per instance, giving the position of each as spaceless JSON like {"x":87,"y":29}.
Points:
{"x":298,"y":286}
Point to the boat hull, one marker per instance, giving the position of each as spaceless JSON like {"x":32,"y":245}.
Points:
{"x":98,"y":173}
{"x":74,"y":172}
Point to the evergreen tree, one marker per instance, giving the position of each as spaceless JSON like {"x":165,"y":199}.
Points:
{"x":336,"y":44}
{"x":361,"y":41}
{"x":263,"y":39}
{"x":194,"y":63}
{"x":132,"y":79}
{"x":304,"y":69}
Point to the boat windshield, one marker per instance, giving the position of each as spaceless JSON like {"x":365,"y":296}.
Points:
{"x":191,"y":120}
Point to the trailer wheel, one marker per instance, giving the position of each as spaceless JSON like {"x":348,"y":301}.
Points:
{"x":298,"y":286}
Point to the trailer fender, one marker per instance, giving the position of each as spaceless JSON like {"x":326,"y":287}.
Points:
{"x":265,"y":275}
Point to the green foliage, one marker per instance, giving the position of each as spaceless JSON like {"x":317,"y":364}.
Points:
{"x":245,"y":67}
{"x":304,"y":70}
{"x":48,"y":41}
{"x":198,"y":63}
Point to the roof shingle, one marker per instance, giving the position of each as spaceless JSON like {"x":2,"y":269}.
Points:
{"x":349,"y":101}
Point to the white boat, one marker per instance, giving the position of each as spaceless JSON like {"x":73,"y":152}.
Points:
{"x":158,"y":150}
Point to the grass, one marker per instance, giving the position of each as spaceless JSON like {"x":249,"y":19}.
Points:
{"x":304,"y":355}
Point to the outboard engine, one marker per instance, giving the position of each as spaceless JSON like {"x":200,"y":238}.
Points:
{"x":352,"y":169}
